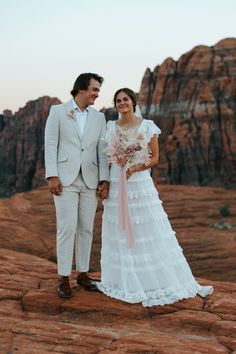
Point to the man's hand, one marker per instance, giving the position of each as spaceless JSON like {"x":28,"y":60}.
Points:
{"x":103,"y":189}
{"x":54,"y":185}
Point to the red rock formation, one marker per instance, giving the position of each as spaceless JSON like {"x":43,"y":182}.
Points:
{"x":27,"y":224}
{"x":22,"y":146}
{"x":34,"y":320}
{"x":193,"y":102}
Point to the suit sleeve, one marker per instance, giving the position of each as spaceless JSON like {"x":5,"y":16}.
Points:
{"x":51,"y":143}
{"x":102,"y":158}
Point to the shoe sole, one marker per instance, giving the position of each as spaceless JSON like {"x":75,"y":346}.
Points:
{"x":85,"y":288}
{"x":63,"y":296}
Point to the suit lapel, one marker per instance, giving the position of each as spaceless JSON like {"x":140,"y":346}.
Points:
{"x":71,"y":116}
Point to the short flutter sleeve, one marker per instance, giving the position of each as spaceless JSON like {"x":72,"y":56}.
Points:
{"x":151,"y":129}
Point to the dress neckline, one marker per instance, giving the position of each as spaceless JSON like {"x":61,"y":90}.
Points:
{"x":136,"y":127}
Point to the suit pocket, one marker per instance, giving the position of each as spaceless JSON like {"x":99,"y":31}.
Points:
{"x":62,"y":159}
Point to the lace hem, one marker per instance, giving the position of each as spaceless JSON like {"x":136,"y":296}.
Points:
{"x":137,"y":240}
{"x":159,"y":297}
{"x":132,"y":180}
{"x":155,"y":202}
{"x":135,"y":194}
{"x":128,"y":271}
{"x":135,"y":219}
{"x":131,"y":260}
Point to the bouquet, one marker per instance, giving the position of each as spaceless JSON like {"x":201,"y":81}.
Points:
{"x":127,"y":150}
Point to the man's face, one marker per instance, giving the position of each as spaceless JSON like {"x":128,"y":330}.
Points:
{"x":91,"y":94}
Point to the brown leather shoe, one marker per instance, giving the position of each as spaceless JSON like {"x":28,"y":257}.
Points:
{"x":63,"y":288}
{"x":84,"y":281}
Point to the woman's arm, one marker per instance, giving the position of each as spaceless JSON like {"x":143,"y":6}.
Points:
{"x":154,"y":149}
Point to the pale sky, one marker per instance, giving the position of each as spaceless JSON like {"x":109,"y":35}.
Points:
{"x":46,"y":44}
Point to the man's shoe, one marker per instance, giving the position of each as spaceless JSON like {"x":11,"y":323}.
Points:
{"x":63,"y":288}
{"x":84,"y":281}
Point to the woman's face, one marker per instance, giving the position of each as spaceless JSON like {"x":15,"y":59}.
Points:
{"x":123,"y":103}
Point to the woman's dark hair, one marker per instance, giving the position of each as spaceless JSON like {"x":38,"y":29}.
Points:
{"x":82,"y":82}
{"x":128,"y":92}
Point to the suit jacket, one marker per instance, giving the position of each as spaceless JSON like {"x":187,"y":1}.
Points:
{"x":66,"y":152}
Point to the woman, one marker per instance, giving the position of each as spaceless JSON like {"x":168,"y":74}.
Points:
{"x":141,"y":260}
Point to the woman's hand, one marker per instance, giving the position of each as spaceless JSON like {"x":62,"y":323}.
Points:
{"x":129,"y":172}
{"x":135,"y":168}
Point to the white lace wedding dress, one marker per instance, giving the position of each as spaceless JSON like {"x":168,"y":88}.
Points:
{"x":154,"y":271}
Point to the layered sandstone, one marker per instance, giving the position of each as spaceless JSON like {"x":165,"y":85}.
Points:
{"x":34,"y":320}
{"x":193,"y":100}
{"x":27,"y":224}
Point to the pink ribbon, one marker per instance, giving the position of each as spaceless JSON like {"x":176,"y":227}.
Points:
{"x":124,"y":215}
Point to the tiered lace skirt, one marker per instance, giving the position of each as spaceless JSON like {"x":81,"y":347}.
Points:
{"x":154,"y":271}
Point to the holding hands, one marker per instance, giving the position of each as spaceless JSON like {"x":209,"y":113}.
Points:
{"x":54,"y":185}
{"x":102,"y":190}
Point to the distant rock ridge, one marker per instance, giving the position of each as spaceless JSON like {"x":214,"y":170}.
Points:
{"x":193,"y":101}
{"x":22,"y":146}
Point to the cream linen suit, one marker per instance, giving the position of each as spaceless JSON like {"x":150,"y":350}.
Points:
{"x":80,"y":163}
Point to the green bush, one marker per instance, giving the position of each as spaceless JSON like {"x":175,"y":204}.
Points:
{"x":224,"y":211}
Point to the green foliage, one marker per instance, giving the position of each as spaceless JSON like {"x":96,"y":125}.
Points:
{"x":224,"y":211}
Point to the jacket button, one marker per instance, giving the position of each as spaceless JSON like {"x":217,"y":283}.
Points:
{"x":82,"y":149}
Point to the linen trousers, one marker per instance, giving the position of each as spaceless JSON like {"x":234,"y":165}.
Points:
{"x":75,"y":212}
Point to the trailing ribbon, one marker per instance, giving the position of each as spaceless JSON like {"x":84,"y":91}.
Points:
{"x":124,"y":215}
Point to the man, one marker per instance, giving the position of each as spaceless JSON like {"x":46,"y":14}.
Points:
{"x":76,"y":167}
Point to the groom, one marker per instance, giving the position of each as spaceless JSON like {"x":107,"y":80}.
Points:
{"x":76,"y":170}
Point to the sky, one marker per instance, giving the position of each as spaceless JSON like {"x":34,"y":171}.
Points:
{"x":46,"y":44}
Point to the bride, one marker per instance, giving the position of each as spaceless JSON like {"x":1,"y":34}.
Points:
{"x":141,"y":260}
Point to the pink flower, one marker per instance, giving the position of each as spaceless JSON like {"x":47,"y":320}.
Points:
{"x":71,"y":114}
{"x":127,"y":150}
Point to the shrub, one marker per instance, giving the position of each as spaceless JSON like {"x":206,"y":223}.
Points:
{"x":224,"y":211}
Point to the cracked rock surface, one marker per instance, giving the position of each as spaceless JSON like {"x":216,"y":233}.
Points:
{"x":34,"y":320}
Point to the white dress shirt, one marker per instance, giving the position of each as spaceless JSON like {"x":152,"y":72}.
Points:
{"x":81,"y":117}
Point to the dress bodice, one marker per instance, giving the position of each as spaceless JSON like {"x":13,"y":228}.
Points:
{"x":147,"y":128}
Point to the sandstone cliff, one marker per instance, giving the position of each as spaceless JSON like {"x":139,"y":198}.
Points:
{"x":22,"y":146}
{"x":193,"y":101}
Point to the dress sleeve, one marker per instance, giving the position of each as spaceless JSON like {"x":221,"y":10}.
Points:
{"x":152,"y":129}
